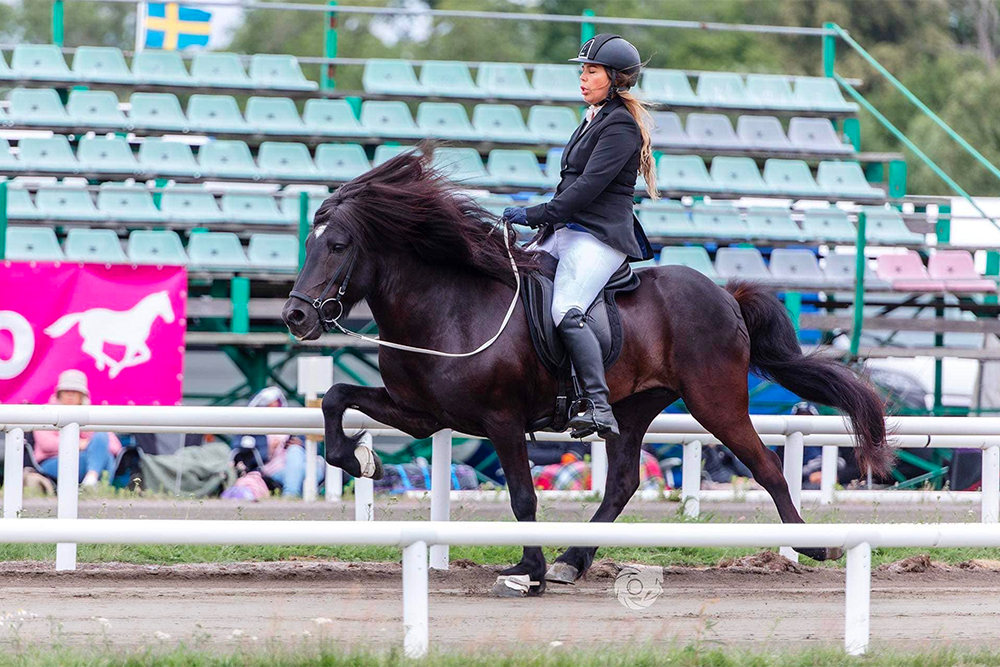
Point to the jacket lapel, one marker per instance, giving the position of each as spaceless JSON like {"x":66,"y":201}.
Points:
{"x":608,"y":107}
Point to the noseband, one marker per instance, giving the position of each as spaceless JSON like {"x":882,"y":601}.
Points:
{"x":320,"y":302}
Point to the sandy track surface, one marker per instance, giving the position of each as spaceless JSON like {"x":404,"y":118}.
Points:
{"x":761,"y":599}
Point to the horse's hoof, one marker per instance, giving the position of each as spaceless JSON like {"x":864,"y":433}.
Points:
{"x":562,"y":573}
{"x":516,"y":586}
{"x":821,"y":554}
{"x":371,"y":464}
{"x":834,"y":553}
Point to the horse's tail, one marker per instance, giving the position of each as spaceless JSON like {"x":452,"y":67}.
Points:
{"x":63,"y":324}
{"x":775,"y":354}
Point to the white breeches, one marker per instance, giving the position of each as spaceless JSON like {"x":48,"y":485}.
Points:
{"x":585,"y":265}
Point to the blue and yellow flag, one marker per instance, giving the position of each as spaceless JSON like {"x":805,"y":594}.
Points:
{"x":171,"y":26}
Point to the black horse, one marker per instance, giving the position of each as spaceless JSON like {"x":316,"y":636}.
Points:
{"x":435,"y":271}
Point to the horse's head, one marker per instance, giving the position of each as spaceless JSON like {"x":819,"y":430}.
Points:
{"x":161,"y":306}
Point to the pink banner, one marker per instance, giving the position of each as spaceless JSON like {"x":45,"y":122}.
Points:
{"x":123,"y":326}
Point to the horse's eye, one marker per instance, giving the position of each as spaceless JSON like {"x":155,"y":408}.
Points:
{"x":339,"y":247}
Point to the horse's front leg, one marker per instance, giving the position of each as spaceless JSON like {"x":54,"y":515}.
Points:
{"x":347,"y":452}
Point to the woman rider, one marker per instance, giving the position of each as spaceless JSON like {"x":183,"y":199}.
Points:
{"x":589,"y":225}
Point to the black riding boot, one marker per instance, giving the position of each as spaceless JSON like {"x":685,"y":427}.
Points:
{"x":585,"y":353}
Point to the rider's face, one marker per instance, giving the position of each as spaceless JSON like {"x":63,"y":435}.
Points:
{"x":69,"y":397}
{"x":594,"y":83}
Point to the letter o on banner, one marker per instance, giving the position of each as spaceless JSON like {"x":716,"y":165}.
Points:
{"x":24,"y":344}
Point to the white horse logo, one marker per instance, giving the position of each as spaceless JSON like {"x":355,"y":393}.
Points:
{"x":130,"y":328}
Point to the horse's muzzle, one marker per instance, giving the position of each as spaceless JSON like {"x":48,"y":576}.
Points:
{"x":301,"y":320}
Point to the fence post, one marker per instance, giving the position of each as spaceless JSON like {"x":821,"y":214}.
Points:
{"x":326,"y":81}
{"x":858,"y":599}
{"x":991,"y":484}
{"x":415,"y":623}
{"x":57,"y":23}
{"x":598,"y":467}
{"x":13,"y":473}
{"x":829,"y":50}
{"x":793,"y":477}
{"x":68,"y":489}
{"x":691,"y":479}
{"x":334,"y":484}
{"x":364,"y":490}
{"x":304,"y":225}
{"x":240,"y":297}
{"x":587,"y":29}
{"x":859,"y":286}
{"x":828,"y":474}
{"x":440,"y":491}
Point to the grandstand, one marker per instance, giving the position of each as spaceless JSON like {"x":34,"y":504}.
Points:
{"x":217,"y":161}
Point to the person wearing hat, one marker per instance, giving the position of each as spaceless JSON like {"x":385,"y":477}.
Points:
{"x":589,"y":225}
{"x":97,"y":450}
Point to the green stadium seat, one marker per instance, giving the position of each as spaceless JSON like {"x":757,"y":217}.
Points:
{"x":816,"y":135}
{"x":290,"y":205}
{"x":216,"y":251}
{"x":845,"y":179}
{"x":37,"y":106}
{"x":693,"y":257}
{"x":48,"y":154}
{"x":552,"y":124}
{"x":718,"y":221}
{"x":389,"y":119}
{"x":683,"y":172}
{"x":159,"y":247}
{"x":101,"y":63}
{"x":384,"y":153}
{"x":445,"y":120}
{"x":501,"y":122}
{"x":741,"y":263}
{"x":723,"y":89}
{"x":269,"y":70}
{"x":557,"y":82}
{"x":553,"y":165}
{"x":274,"y":115}
{"x":190,"y":205}
{"x":793,"y":266}
{"x":66,"y":203}
{"x":33,"y":244}
{"x":668,"y":86}
{"x":107,"y":156}
{"x":390,"y":77}
{"x":5,"y":120}
{"x":791,"y":177}
{"x":821,"y":94}
{"x":5,"y":73}
{"x":665,"y":218}
{"x":516,"y":168}
{"x":771,"y":91}
{"x":448,"y":79}
{"x":100,"y":246}
{"x":286,"y":160}
{"x":157,"y":111}
{"x":9,"y":162}
{"x":505,"y":81}
{"x":251,"y":208}
{"x":763,"y":133}
{"x":712,"y":130}
{"x":886,"y":225}
{"x":333,"y":118}
{"x":828,"y":224}
{"x":274,"y":252}
{"x":227,"y":159}
{"x":43,"y":62}
{"x":95,"y":108}
{"x":167,"y":158}
{"x":131,"y":203}
{"x":462,"y":165}
{"x":20,"y":206}
{"x":341,"y":162}
{"x":150,"y":66}
{"x":210,"y":68}
{"x":215,"y":113}
{"x":773,"y":223}
{"x":738,"y":174}
{"x":495,"y":203}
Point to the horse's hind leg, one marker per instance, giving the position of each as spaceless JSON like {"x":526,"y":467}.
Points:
{"x":724,"y":412}
{"x":634,"y":414}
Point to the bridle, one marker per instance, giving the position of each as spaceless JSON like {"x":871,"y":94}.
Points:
{"x":331,"y":323}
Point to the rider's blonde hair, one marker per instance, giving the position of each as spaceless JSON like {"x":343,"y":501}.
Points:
{"x":640,"y":112}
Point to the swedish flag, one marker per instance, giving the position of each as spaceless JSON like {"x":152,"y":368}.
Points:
{"x":171,"y":26}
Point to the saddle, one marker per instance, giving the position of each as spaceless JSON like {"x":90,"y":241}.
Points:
{"x":602,"y":315}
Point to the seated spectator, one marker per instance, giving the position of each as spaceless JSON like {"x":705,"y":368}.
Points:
{"x":97,"y":450}
{"x":283,"y":456}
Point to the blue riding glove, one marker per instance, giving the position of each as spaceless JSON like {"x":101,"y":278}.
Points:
{"x":516,"y":215}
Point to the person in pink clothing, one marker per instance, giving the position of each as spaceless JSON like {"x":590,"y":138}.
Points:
{"x":97,"y":450}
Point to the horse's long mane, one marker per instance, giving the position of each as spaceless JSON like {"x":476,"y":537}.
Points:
{"x":405,"y":204}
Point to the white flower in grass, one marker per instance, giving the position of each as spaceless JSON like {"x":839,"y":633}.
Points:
{"x":105,"y":623}
{"x":253,"y":638}
{"x":555,"y":644}
{"x":162,"y":636}
{"x":237,"y":633}
{"x":319,"y":620}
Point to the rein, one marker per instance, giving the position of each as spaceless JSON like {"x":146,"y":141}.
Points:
{"x":329,"y":323}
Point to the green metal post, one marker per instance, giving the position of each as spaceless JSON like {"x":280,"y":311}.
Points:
{"x":852,"y":130}
{"x":57,"y":23}
{"x":355,"y":103}
{"x":859,"y":287}
{"x":3,"y":220}
{"x":303,"y":226}
{"x":943,"y":226}
{"x":587,"y":30}
{"x":793,"y":304}
{"x":897,"y":179}
{"x":829,"y":50}
{"x":159,"y":184}
{"x":938,"y":367}
{"x":240,"y":295}
{"x":329,"y":47}
{"x":992,"y":271}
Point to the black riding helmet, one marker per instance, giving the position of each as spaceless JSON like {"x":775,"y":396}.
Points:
{"x":616,"y":54}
